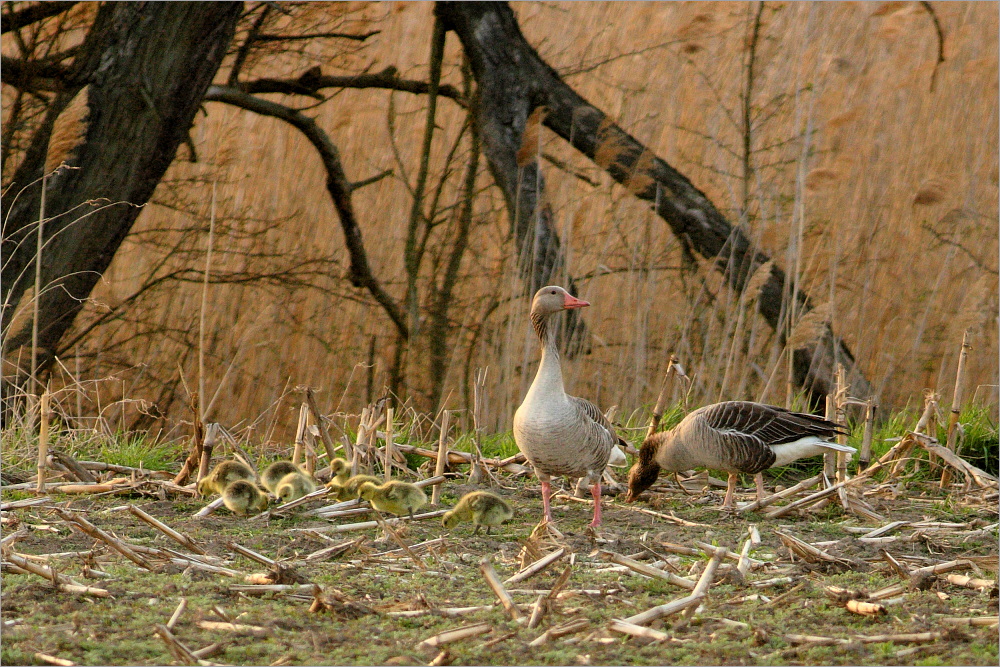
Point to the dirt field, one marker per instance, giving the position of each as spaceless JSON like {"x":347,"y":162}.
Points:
{"x":761,"y":620}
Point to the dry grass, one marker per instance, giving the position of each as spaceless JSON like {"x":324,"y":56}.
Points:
{"x":896,"y":175}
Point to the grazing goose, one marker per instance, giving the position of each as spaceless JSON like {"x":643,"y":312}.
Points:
{"x":223,"y":475}
{"x":481,"y":508}
{"x":242,"y":496}
{"x":560,"y":434}
{"x":293,"y":486}
{"x":735,"y":436}
{"x":396,"y":497}
{"x":276,"y":472}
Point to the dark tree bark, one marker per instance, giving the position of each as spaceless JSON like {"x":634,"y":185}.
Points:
{"x":147,"y":65}
{"x":513,"y":80}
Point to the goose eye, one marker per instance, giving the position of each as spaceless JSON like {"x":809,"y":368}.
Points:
{"x":553,"y":292}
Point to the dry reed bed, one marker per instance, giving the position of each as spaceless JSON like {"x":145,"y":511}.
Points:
{"x":886,"y":158}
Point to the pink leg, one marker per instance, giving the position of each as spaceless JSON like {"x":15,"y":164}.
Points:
{"x":759,"y":480}
{"x":595,"y":491}
{"x":727,"y":503}
{"x":546,"y":492}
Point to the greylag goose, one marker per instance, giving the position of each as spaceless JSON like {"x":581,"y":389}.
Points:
{"x":557,"y":433}
{"x":735,"y":436}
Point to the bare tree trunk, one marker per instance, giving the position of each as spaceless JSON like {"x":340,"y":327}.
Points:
{"x":147,"y":66}
{"x":513,"y":80}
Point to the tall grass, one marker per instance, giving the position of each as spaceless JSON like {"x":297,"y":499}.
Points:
{"x":896,"y":203}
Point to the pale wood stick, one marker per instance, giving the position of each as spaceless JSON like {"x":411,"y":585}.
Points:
{"x":774,"y":497}
{"x":537,"y":611}
{"x":181,"y":606}
{"x":300,"y":434}
{"x":183,"y":540}
{"x":90,"y":488}
{"x":450,"y":612}
{"x":62,"y":582}
{"x":814,"y":639}
{"x":260,"y":589}
{"x":251,"y":554}
{"x":888,"y":592}
{"x":455,"y":635}
{"x":536,"y":567}
{"x":95,"y":532}
{"x":389,"y":427}
{"x":830,"y":458}
{"x":647,"y":570}
{"x":442,"y":456}
{"x":53,"y":660}
{"x":211,"y":437}
{"x":941,"y":568}
{"x":398,"y":540}
{"x":490,"y":574}
{"x":706,"y":578}
{"x":667,"y":609}
{"x":324,"y":433}
{"x":43,"y":438}
{"x":974,"y":621}
{"x":956,"y":405}
{"x":209,"y":508}
{"x":561,"y":630}
{"x":840,"y":404}
{"x":180,"y":652}
{"x":866,"y":439}
{"x":624,"y":627}
{"x":661,"y":400}
{"x":914,"y":638}
{"x":240,"y":628}
{"x":343,"y":528}
{"x":865,"y":608}
{"x":359,"y":441}
{"x":805,"y":550}
{"x":74,"y":466}
{"x":970,"y":582}
{"x":207,"y":652}
{"x":10,"y":538}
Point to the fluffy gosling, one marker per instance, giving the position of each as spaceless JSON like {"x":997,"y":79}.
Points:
{"x":349,"y":490}
{"x":340,"y":472}
{"x":242,"y":496}
{"x":481,"y":508}
{"x":293,"y":486}
{"x":395,"y":497}
{"x":223,"y":475}
{"x":276,"y":472}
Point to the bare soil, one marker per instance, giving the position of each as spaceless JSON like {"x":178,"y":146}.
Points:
{"x":741,"y":622}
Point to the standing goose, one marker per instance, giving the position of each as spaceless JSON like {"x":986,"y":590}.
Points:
{"x":557,"y":433}
{"x":735,"y":436}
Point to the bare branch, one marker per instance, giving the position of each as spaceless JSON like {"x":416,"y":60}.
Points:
{"x":313,"y":80}
{"x":316,"y":35}
{"x":336,"y":183}
{"x":33,"y":14}
{"x":940,"y":34}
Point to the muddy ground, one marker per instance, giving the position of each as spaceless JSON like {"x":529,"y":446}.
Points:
{"x":738,"y":623}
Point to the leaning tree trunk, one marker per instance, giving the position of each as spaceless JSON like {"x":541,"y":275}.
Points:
{"x":513,"y":80}
{"x":146,"y":66}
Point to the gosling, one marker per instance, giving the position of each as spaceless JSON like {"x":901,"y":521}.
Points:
{"x":241,"y":496}
{"x":341,"y":471}
{"x":349,"y":490}
{"x":395,"y":497}
{"x":293,"y":486}
{"x":276,"y":472}
{"x":223,"y":475}
{"x":482,"y":509}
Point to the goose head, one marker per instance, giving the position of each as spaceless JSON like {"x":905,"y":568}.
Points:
{"x":645,"y":470}
{"x":552,"y":299}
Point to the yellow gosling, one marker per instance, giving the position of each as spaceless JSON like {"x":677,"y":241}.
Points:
{"x":222,"y":476}
{"x":242,"y":496}
{"x":341,"y":471}
{"x":481,"y":508}
{"x":349,"y":489}
{"x":276,"y":472}
{"x":293,"y":486}
{"x":395,"y":497}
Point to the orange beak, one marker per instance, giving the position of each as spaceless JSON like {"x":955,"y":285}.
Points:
{"x":572,"y":302}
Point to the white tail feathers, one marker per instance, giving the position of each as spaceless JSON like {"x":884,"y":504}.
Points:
{"x":617,"y":458}
{"x":838,"y":447}
{"x":811,"y":445}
